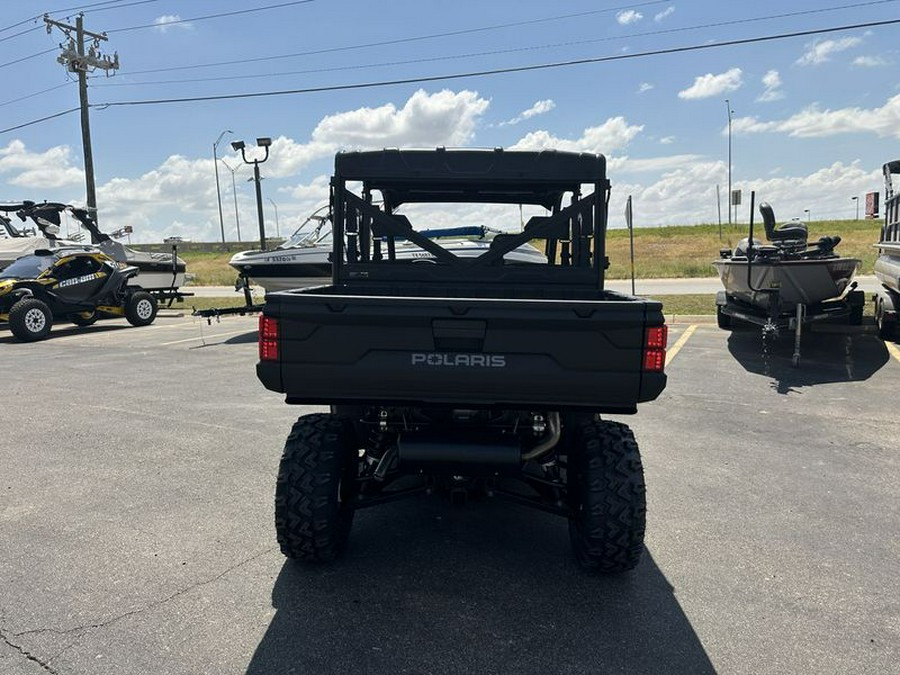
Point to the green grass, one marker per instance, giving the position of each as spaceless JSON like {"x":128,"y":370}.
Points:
{"x":680,"y":251}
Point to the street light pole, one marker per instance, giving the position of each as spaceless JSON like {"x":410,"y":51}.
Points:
{"x":730,"y":199}
{"x":808,"y":216}
{"x":218,"y":190}
{"x":277,"y":226}
{"x":856,"y":199}
{"x":237,"y":218}
{"x":262,"y":142}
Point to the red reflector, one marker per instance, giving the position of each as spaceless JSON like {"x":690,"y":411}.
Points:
{"x":268,"y":338}
{"x":268,"y":350}
{"x":268,"y":328}
{"x":657,"y":337}
{"x":654,"y":360}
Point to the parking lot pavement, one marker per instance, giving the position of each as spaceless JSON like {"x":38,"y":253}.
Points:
{"x":136,"y":521}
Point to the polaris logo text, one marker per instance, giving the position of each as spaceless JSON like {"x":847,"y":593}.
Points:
{"x":460,"y":360}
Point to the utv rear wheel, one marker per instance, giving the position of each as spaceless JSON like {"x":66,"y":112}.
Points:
{"x":140,"y":308}
{"x":30,"y":319}
{"x":317,"y":483}
{"x":885,"y":321}
{"x":606,"y":488}
{"x":85,"y":319}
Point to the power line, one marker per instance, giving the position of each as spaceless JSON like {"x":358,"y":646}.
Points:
{"x":211,"y":16}
{"x":25,"y":58}
{"x":37,"y":93}
{"x":503,"y":71}
{"x":496,"y":52}
{"x":483,"y":73}
{"x":418,"y":38}
{"x":74,"y":9}
{"x":38,"y":121}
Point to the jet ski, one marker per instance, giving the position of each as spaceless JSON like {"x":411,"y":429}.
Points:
{"x":16,"y":242}
{"x":304,"y":259}
{"x":787,"y":282}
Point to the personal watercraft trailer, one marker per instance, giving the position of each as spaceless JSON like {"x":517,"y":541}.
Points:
{"x":887,"y":266}
{"x":787,"y":283}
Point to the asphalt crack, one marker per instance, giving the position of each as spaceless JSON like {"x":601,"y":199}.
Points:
{"x":28,"y":655}
{"x":124,"y":615}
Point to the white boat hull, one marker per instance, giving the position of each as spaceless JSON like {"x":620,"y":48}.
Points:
{"x":284,"y":269}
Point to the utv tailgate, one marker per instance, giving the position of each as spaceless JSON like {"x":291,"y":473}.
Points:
{"x":466,"y":352}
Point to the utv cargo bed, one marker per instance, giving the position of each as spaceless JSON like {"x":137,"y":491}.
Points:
{"x":512,"y":353}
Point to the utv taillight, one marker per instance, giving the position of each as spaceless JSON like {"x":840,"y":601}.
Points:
{"x":655,"y":348}
{"x":268,"y":338}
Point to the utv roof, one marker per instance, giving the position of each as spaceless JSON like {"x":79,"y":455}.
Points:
{"x":492,"y":176}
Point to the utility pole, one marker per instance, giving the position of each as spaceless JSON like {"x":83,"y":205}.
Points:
{"x":77,"y":60}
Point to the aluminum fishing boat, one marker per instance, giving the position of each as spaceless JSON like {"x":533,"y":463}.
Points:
{"x":304,"y":259}
{"x":788,"y":282}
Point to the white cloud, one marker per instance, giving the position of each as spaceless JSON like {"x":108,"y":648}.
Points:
{"x":706,"y":86}
{"x":815,"y":123}
{"x":870,"y":61}
{"x":32,"y":170}
{"x":168,"y":21}
{"x":179,"y":196}
{"x":667,"y":140}
{"x":614,"y":134}
{"x":539,"y":108}
{"x":444,"y":118}
{"x":667,"y":12}
{"x":687,"y":195}
{"x":820,"y":52}
{"x":645,"y":86}
{"x":772,"y":82}
{"x":629,"y":16}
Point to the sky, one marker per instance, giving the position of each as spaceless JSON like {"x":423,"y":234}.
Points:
{"x":814,"y":116}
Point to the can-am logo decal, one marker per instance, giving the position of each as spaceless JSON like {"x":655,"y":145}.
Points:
{"x":460,"y":360}
{"x":79,"y":280}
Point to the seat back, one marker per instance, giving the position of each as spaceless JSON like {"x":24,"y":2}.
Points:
{"x":768,"y":216}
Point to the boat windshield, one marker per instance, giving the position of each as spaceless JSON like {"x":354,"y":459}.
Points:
{"x":27,"y":267}
{"x":312,"y":233}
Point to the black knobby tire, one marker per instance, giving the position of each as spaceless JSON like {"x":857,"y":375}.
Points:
{"x":608,"y":498}
{"x":886,"y":322}
{"x":317,"y":483}
{"x":140,"y":308}
{"x":722,"y":319}
{"x":85,"y":319}
{"x":30,"y":319}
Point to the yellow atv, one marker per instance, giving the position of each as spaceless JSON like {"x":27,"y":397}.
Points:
{"x":78,"y":284}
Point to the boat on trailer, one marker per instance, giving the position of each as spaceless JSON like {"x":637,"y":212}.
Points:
{"x":305,"y":258}
{"x":159,"y":273}
{"x":788,"y":282}
{"x":887,"y":265}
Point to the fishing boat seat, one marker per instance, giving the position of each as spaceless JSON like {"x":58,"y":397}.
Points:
{"x":783,"y":232}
